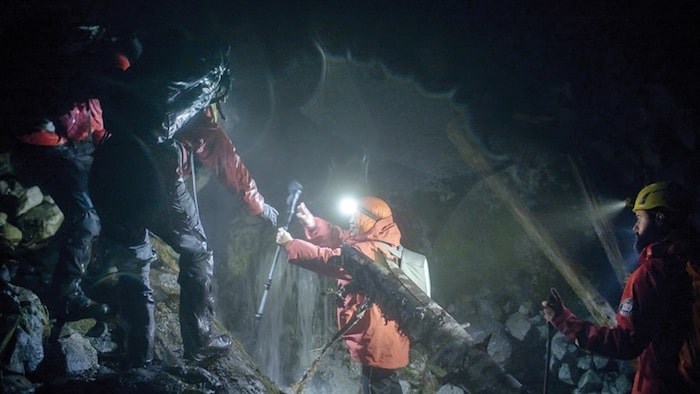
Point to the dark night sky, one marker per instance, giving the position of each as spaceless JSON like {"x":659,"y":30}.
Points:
{"x":629,"y":67}
{"x":442,"y":41}
{"x":507,"y":47}
{"x":654,"y":41}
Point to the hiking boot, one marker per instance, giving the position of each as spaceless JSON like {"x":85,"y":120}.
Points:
{"x":78,"y":306}
{"x":217,"y":346}
{"x":73,"y":304}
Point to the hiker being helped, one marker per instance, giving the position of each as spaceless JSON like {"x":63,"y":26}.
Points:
{"x":371,"y":339}
{"x":58,"y":128}
{"x":655,"y":316}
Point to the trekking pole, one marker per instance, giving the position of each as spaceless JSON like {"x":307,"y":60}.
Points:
{"x":292,"y":199}
{"x":548,"y":357}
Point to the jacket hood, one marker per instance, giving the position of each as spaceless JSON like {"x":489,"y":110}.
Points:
{"x":384,"y":230}
{"x":684,"y":244}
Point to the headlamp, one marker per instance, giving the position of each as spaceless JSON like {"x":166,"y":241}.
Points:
{"x":628,"y":203}
{"x":349,"y":206}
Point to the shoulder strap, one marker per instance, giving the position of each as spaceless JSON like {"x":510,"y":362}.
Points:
{"x":396,"y":251}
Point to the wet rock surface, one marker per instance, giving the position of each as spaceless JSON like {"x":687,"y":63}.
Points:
{"x":86,"y":355}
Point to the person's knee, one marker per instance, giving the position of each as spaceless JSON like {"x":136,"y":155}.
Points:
{"x":133,"y":258}
{"x":195,"y":283}
{"x":91,"y":223}
{"x":197,"y":266}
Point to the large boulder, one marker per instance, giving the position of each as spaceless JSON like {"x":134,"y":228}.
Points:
{"x":24,"y":325}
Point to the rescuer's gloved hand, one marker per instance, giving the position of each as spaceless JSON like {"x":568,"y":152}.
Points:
{"x":283,"y":237}
{"x":553,"y":306}
{"x":269,"y":213}
{"x":305,"y":216}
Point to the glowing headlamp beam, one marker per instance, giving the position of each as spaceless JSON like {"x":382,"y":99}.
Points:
{"x":350,"y":206}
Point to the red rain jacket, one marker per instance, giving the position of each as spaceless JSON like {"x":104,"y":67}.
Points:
{"x":215,"y":150}
{"x":653,"y":319}
{"x":373,"y":341}
{"x":80,"y":122}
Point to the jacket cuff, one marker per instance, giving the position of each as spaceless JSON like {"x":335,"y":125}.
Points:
{"x":559,"y":319}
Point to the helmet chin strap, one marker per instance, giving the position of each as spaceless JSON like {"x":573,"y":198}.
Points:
{"x":368,"y":213}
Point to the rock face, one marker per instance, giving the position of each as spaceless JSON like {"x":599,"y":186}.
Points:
{"x":85,"y":355}
{"x":25,"y":326}
{"x":28,"y":218}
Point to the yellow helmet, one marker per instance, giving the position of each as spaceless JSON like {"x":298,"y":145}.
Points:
{"x":660,"y":194}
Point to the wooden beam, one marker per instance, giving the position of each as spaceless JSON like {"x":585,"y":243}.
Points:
{"x":596,"y":304}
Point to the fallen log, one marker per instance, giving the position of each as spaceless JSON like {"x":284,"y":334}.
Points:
{"x":453,"y":353}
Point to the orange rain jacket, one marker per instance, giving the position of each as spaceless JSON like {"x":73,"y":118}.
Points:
{"x":373,"y":341}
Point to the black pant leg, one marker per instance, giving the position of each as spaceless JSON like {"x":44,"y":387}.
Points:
{"x":186,"y":235}
{"x":380,"y":381}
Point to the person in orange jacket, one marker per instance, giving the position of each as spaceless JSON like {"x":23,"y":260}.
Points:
{"x":372,"y":340}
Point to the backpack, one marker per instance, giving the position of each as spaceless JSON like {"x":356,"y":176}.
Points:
{"x":414,"y":265}
{"x":689,"y":356}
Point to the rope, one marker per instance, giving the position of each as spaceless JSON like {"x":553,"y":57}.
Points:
{"x":311,"y":371}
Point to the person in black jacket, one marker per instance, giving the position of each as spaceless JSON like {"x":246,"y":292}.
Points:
{"x":140,"y":190}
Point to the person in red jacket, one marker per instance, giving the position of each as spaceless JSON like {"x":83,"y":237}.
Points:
{"x":654,"y":315}
{"x":56,"y":137}
{"x":372,"y":340}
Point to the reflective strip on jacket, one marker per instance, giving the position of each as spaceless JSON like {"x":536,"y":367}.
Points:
{"x":373,"y":341}
{"x":653,"y":319}
{"x":216,"y":151}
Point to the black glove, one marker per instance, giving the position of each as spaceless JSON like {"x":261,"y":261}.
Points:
{"x":269,"y":213}
{"x":555,"y":302}
{"x":553,"y":307}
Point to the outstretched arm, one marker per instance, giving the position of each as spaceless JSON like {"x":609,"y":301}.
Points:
{"x":312,"y":257}
{"x":216,"y":151}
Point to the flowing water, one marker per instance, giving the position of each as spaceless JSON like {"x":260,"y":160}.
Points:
{"x":296,"y":320}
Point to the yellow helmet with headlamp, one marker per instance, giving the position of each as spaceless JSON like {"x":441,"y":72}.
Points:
{"x":665,"y":194}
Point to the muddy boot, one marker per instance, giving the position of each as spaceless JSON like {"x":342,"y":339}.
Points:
{"x":196,"y":320}
{"x":197,"y":337}
{"x":75,"y":305}
{"x":217,"y":346}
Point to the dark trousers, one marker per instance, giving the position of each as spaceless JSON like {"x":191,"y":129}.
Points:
{"x":147,"y":194}
{"x":380,"y":381}
{"x":62,"y":172}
